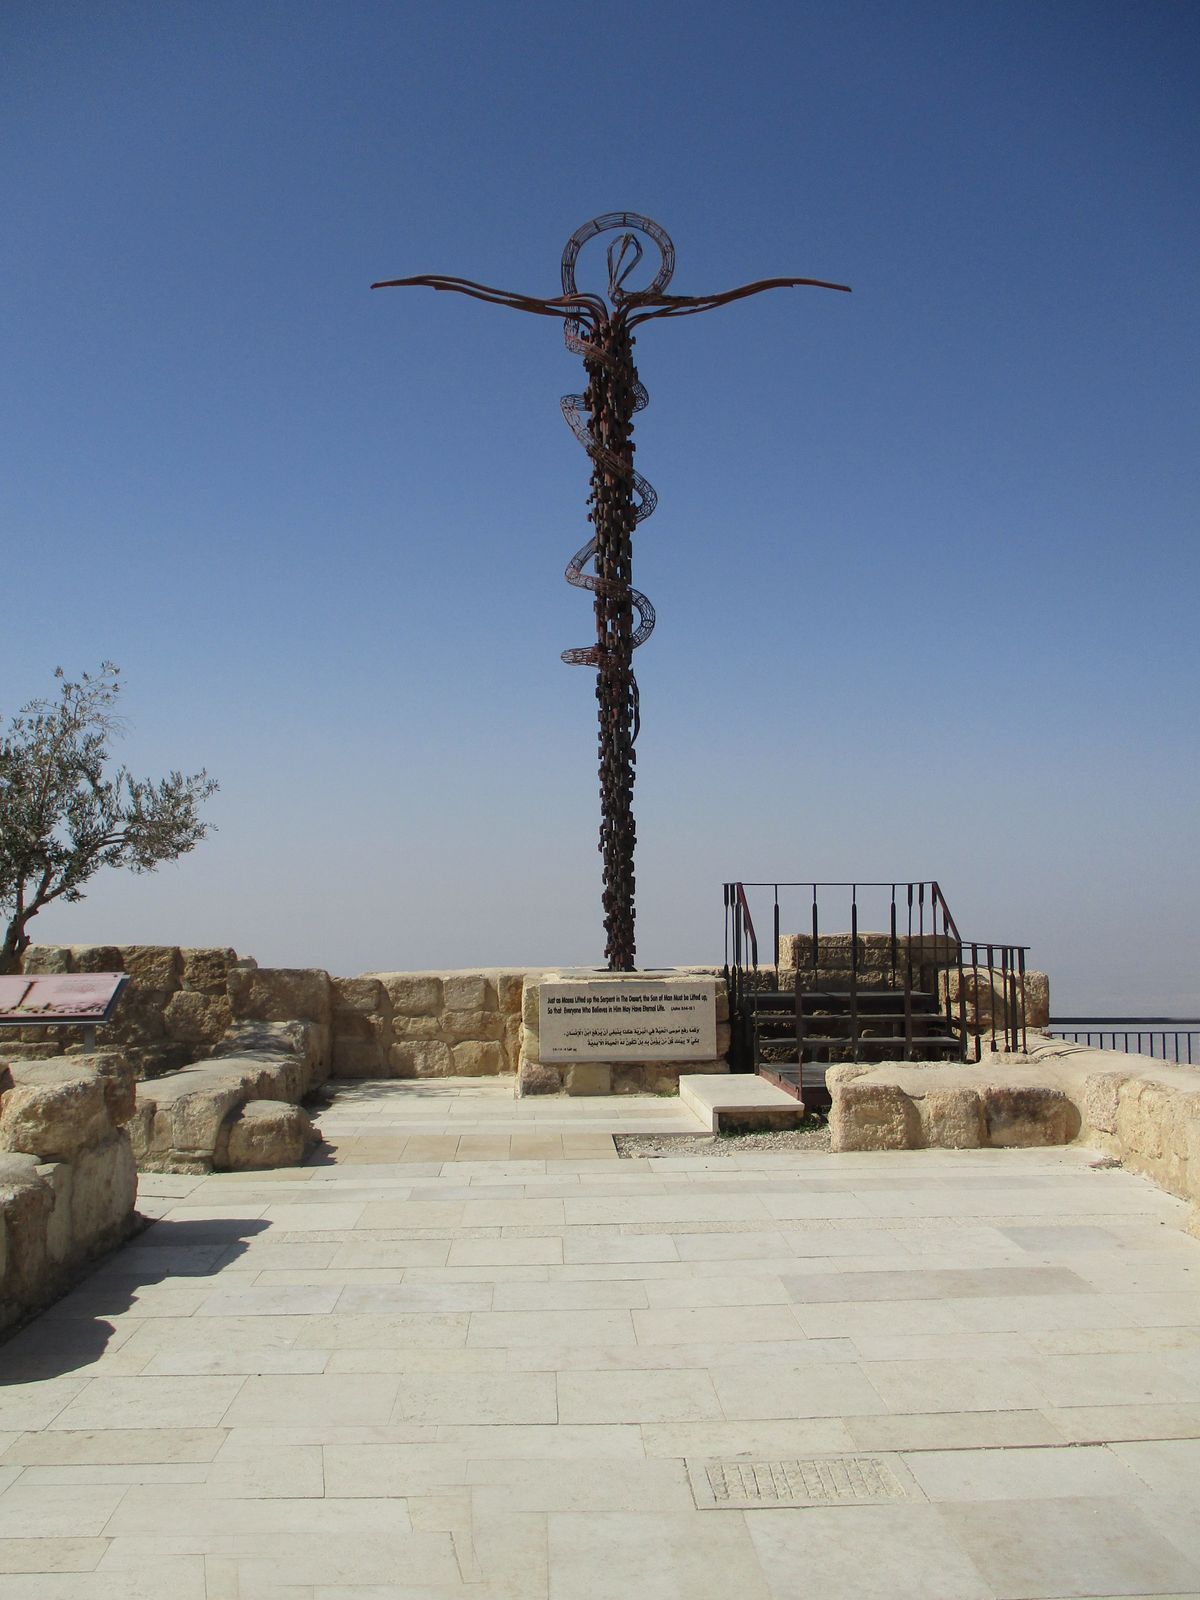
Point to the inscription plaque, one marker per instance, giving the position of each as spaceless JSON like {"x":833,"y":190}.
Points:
{"x":665,"y":1019}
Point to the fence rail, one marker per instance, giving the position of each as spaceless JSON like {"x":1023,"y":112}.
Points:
{"x":1163,"y":1038}
{"x":916,"y":953}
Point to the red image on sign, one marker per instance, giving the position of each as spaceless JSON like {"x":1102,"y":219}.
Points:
{"x":60,"y":997}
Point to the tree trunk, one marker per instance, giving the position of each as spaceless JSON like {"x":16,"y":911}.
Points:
{"x":16,"y":942}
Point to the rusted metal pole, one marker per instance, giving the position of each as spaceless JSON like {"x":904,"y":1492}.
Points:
{"x":600,"y":330}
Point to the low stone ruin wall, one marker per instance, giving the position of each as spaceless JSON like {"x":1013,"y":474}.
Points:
{"x":428,"y":1024}
{"x":235,"y":1111}
{"x":175,"y":1009}
{"x":68,"y":1182}
{"x":182,"y":1006}
{"x":1143,"y":1112}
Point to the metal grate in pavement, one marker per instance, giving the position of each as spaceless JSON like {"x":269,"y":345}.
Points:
{"x":741,"y":1483}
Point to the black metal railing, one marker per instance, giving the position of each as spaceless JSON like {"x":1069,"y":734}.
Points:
{"x":974,"y":988}
{"x":1164,"y":1038}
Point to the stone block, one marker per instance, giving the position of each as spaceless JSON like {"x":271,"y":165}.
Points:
{"x":96,"y":958}
{"x":649,"y":1077}
{"x":872,"y":1116}
{"x":26,"y":1202}
{"x":509,"y":987}
{"x":193,"y":1017}
{"x":206,"y":970}
{"x":156,"y":1060}
{"x":58,"y":1175}
{"x":140,"y":1129}
{"x":138,"y":1017}
{"x":531,"y":1005}
{"x":360,"y":1045}
{"x":308,"y":1042}
{"x":511,"y":1042}
{"x":354,"y":1025}
{"x":413,"y":994}
{"x":1037,"y":999}
{"x":530,"y":1047}
{"x":1151,"y":1132}
{"x":534,"y":1078}
{"x":362,"y":995}
{"x":983,"y":994}
{"x":274,"y":1078}
{"x":477,"y":1058}
{"x":54,"y":1109}
{"x":724,"y":1036}
{"x":152,"y":966}
{"x":459,"y":1026}
{"x":118,"y":1082}
{"x":280,"y":994}
{"x":588,"y":1077}
{"x":46,"y":958}
{"x":1101,"y":1093}
{"x":952,"y":1119}
{"x":262,"y":1134}
{"x":360,"y":1058}
{"x":1033,"y":1115}
{"x":103,"y":1194}
{"x":406,"y":1027}
{"x":468,"y":991}
{"x":192,"y":1106}
{"x":420,"y":1058}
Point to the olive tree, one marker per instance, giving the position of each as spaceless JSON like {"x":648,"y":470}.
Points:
{"x":65,"y":812}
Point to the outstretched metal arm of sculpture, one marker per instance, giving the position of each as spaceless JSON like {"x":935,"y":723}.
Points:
{"x":686,"y":305}
{"x":565,"y":305}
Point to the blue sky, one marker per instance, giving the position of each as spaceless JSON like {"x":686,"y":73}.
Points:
{"x":924,"y":560}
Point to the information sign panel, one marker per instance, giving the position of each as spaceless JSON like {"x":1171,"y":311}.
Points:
{"x":86,"y":997}
{"x":663,"y":1019}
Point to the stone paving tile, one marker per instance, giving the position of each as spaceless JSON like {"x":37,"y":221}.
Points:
{"x":625,"y":1396}
{"x":50,"y":1555}
{"x":610,"y":1555}
{"x":113,"y":1446}
{"x":1034,"y":1550}
{"x":466,"y":1350}
{"x":1069,"y":1472}
{"x":956,"y":1430}
{"x":467,"y":1397}
{"x":27,"y":1511}
{"x":149,"y":1402}
{"x":864,"y":1553}
{"x":181,"y":1577}
{"x":334,"y":1397}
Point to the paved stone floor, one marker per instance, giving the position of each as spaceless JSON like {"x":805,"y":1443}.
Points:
{"x":468,"y":1354}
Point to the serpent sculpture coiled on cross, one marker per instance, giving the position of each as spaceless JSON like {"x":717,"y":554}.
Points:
{"x":600,"y":330}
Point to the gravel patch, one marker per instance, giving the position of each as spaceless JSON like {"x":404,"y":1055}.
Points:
{"x":634,"y":1147}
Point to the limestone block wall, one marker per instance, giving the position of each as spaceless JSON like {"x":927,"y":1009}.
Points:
{"x":982,"y":988}
{"x":617,"y":1077}
{"x":184,"y":1007}
{"x":428,"y":1024}
{"x":175,"y":1009}
{"x":68,"y":1182}
{"x":1148,"y":1117}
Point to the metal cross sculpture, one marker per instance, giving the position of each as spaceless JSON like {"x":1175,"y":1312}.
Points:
{"x":602,"y":420}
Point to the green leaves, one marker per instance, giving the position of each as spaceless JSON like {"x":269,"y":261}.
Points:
{"x":64,"y":814}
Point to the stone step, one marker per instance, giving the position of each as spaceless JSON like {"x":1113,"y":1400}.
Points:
{"x":739,"y":1102}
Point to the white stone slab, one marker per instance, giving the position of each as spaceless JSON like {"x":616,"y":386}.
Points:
{"x":628,"y":1019}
